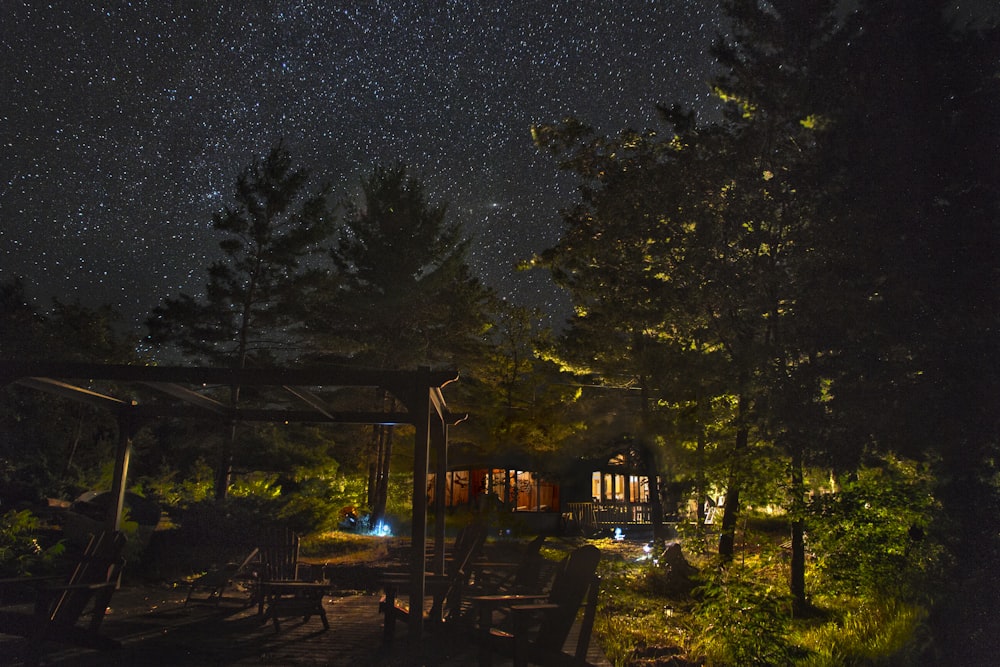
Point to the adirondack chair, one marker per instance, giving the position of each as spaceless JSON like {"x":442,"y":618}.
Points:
{"x":538,"y":626}
{"x":282,"y":590}
{"x":489,"y":577}
{"x":215,"y":581}
{"x":58,"y":609}
{"x":278,"y":560}
{"x":522,"y":576}
{"x":445,"y":590}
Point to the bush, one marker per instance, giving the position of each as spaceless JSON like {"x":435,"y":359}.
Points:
{"x":872,"y":537}
{"x":20,"y":552}
{"x":743,"y":622}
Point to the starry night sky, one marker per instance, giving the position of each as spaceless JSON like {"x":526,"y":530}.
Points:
{"x":124,"y":124}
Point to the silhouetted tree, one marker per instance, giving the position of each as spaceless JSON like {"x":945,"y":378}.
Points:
{"x":401,"y":295}
{"x":250,"y":311}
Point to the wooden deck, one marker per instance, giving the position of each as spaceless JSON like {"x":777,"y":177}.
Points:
{"x":155,"y":628}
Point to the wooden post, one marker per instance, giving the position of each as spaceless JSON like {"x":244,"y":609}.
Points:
{"x":126,"y":429}
{"x":439,"y":440}
{"x":418,"y":540}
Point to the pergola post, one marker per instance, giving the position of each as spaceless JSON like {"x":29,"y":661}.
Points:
{"x":126,"y":430}
{"x":418,"y":539}
{"x":439,"y":441}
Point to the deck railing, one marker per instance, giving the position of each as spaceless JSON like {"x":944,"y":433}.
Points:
{"x":604,"y":515}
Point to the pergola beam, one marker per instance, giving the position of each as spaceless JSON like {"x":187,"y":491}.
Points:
{"x":399,"y":382}
{"x":73,"y":392}
{"x":189,"y":396}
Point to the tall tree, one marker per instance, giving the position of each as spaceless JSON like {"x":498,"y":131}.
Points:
{"x":621,"y":257}
{"x":516,"y":398}
{"x":249,"y":313}
{"x":826,"y":232}
{"x":403,"y":293}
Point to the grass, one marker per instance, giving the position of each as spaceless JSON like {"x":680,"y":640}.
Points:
{"x":873,"y":633}
{"x":643,"y":621}
{"x":340,"y":548}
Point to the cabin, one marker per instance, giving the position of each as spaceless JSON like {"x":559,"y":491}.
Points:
{"x":610,"y":493}
{"x":548,"y":495}
{"x":508,"y":482}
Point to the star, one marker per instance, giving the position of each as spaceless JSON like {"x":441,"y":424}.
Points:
{"x":124,"y":126}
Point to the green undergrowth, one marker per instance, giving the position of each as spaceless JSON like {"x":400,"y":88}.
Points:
{"x":742,"y":615}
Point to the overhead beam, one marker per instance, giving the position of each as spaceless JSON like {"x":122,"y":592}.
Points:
{"x":72,"y":391}
{"x":189,"y":396}
{"x":312,"y":400}
{"x":313,"y":376}
{"x":277,"y":415}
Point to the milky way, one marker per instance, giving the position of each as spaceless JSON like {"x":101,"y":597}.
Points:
{"x":124,"y":124}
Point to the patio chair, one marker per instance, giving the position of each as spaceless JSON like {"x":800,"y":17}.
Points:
{"x":215,"y":581}
{"x":538,"y":626}
{"x":522,"y":576}
{"x":58,"y":609}
{"x":282,"y":589}
{"x":445,"y":590}
{"x":489,"y":577}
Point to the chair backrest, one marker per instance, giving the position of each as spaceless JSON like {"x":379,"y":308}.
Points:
{"x":279,"y":554}
{"x":469,"y":545}
{"x":101,"y":563}
{"x":529,"y":569}
{"x":574,"y":578}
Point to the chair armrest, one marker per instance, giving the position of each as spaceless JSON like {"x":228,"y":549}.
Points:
{"x":533,"y":608}
{"x":28,"y":583}
{"x":509,"y":600}
{"x":81,"y":587}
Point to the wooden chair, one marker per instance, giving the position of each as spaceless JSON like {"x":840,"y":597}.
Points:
{"x":58,"y":609}
{"x":489,"y":577}
{"x":282,"y":590}
{"x":215,"y":581}
{"x":522,"y":576}
{"x":445,"y":590}
{"x":539,"y":625}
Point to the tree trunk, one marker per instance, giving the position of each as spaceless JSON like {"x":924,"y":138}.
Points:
{"x":375,"y":475}
{"x":797,"y":577}
{"x":701,"y":492}
{"x":731,"y":514}
{"x":224,"y":471}
{"x":648,"y":458}
{"x":382,"y":496}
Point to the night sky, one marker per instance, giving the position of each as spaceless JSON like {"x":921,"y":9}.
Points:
{"x":124,"y":124}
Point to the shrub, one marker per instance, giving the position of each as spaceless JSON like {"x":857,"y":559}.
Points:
{"x":872,"y":536}
{"x":20,"y":552}
{"x":744,"y":622}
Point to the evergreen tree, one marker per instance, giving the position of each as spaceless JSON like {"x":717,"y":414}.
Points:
{"x":402,"y":294}
{"x":517,"y":400}
{"x":250,"y":311}
{"x":835,"y":236}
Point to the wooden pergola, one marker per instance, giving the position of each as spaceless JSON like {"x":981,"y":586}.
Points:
{"x":178,"y":392}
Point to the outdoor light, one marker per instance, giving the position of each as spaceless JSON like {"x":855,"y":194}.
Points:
{"x":619,"y":535}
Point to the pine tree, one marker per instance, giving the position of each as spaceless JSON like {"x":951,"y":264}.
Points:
{"x":250,"y":311}
{"x":402,"y":294}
